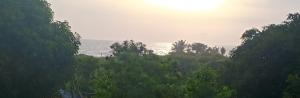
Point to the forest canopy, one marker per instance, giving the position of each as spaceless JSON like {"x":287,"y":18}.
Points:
{"x":39,"y":59}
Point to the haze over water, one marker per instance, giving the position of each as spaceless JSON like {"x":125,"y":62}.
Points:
{"x":166,"y":21}
{"x":101,"y":48}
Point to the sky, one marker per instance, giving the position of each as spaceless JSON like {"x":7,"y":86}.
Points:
{"x":171,"y":20}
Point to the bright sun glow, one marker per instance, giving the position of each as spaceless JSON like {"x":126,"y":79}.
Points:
{"x":187,"y":5}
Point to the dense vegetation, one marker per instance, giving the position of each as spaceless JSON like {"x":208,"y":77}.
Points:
{"x":134,"y":72}
{"x":39,"y":56}
{"x":267,"y":63}
{"x":36,"y":53}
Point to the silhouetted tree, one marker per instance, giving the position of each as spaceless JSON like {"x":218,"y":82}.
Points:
{"x":223,"y":51}
{"x":180,"y":46}
{"x":199,"y":48}
{"x":129,"y":46}
{"x":250,"y":34}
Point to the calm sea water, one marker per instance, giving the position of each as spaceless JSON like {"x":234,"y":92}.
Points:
{"x":100,"y":48}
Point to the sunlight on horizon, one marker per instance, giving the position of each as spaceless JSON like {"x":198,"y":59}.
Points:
{"x":215,"y":22}
{"x":187,"y":5}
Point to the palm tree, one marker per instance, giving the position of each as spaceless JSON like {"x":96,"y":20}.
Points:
{"x":180,"y":46}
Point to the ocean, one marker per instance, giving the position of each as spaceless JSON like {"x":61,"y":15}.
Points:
{"x":101,"y":48}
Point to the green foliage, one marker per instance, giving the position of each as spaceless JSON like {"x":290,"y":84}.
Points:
{"x":182,"y":47}
{"x":202,"y":84}
{"x":103,"y":84}
{"x":36,"y":52}
{"x":38,"y":56}
{"x":225,"y":92}
{"x":83,"y":71}
{"x":260,"y":67}
{"x":129,"y":47}
{"x":134,"y":72}
{"x":292,"y":90}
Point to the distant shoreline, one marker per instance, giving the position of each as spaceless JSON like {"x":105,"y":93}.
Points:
{"x":101,"y":48}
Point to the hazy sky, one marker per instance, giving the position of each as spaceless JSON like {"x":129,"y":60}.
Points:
{"x":148,"y":22}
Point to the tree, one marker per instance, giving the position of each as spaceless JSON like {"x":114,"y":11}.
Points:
{"x":203,"y":84}
{"x":292,"y":90}
{"x":129,"y":46}
{"x":37,"y":53}
{"x":215,"y":50}
{"x":223,"y":51}
{"x":134,"y":72}
{"x":250,"y":34}
{"x":199,"y":48}
{"x":130,"y":73}
{"x":180,"y":46}
{"x":262,"y":64}
{"x":84,"y":72}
